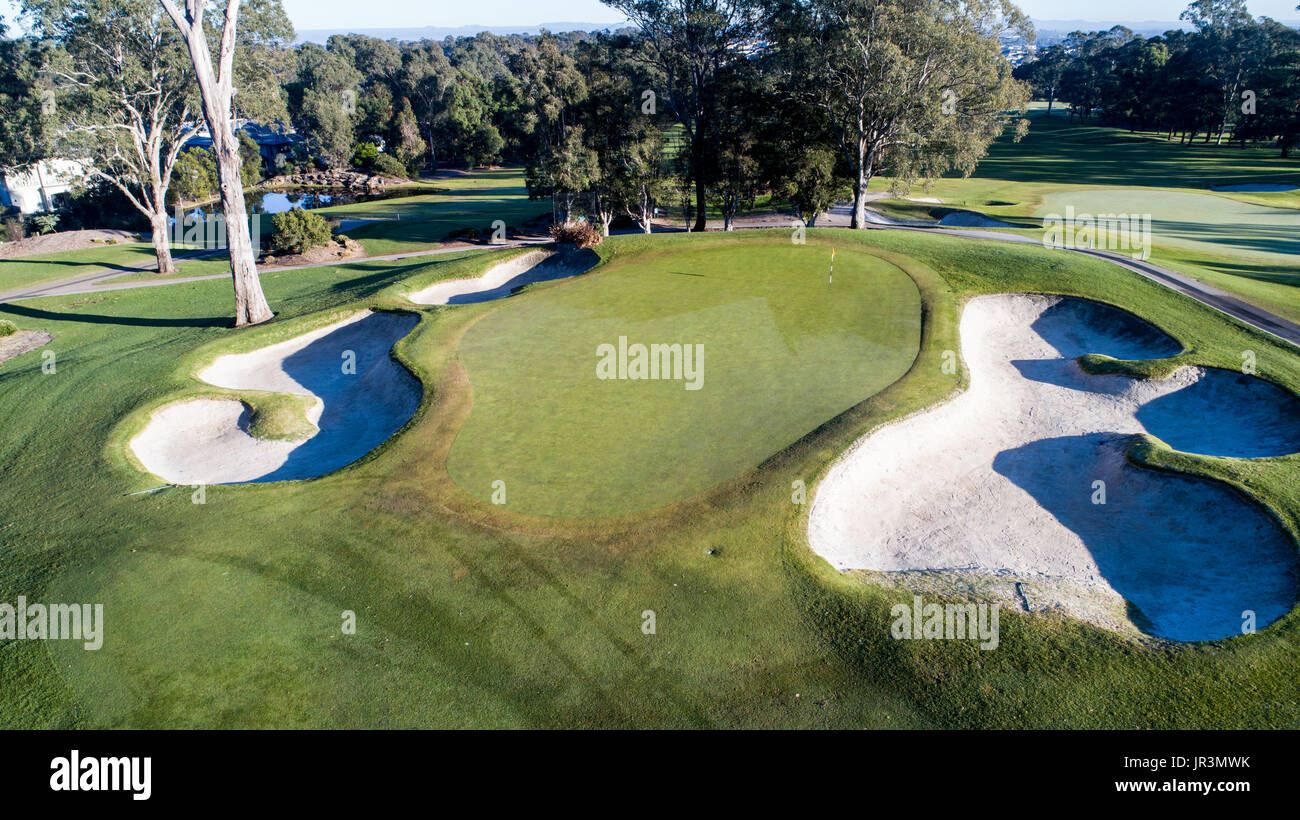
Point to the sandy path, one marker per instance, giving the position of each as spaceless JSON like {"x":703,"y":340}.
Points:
{"x":206,"y":441}
{"x":999,"y":482}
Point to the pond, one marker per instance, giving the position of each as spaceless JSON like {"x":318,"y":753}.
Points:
{"x":287,"y":199}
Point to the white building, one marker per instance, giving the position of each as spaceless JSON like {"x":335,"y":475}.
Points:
{"x":42,"y":186}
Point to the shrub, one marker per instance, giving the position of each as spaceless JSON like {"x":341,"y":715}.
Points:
{"x":389,"y":166}
{"x":46,"y":223}
{"x":250,"y":166}
{"x":364,"y":156}
{"x":7,"y":328}
{"x":14,"y":229}
{"x":579,"y":233}
{"x":298,"y":231}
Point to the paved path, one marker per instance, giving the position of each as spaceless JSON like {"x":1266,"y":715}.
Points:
{"x":100,"y":280}
{"x":838,"y":216}
{"x":1242,"y":311}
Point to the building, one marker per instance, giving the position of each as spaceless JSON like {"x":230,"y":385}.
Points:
{"x":42,"y":186}
{"x":270,"y":141}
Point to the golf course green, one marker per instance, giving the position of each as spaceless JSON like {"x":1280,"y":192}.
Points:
{"x":229,"y":613}
{"x":783,"y":350}
{"x":1202,"y":222}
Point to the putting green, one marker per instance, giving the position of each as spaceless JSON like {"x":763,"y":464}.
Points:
{"x":1197,"y":221}
{"x":783,"y":352}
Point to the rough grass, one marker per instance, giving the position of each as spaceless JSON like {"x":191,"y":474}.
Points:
{"x":228,"y":613}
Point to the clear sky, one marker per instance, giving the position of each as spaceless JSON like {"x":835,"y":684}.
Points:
{"x":417,"y":13}
{"x":1121,"y":10}
{"x":445,"y":13}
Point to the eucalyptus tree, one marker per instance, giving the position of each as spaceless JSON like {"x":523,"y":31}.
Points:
{"x":124,"y":100}
{"x":549,"y":89}
{"x":693,"y":43}
{"x":914,"y":87}
{"x":424,"y":78}
{"x":323,"y":103}
{"x":620,"y":130}
{"x":26,"y":99}
{"x":216,"y":88}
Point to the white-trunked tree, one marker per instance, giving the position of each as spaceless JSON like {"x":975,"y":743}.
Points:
{"x":216,"y":92}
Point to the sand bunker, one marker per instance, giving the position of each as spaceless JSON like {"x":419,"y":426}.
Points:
{"x":994,"y":490}
{"x":969,"y":219}
{"x":356,"y":408}
{"x":1258,"y":187}
{"x":503,"y":279}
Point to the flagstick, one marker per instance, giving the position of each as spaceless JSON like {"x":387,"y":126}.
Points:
{"x":831,"y":278}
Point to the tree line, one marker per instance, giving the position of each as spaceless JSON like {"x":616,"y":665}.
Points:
{"x":1230,"y":77}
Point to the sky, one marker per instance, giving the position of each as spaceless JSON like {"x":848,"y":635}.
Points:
{"x":1137,"y":10}
{"x":450,"y":13}
{"x":446,"y":13}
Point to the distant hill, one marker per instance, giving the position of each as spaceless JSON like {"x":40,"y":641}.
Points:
{"x":1050,"y":31}
{"x":320,"y":35}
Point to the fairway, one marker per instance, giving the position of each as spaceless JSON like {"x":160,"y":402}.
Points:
{"x":784,"y":351}
{"x":1203,"y":222}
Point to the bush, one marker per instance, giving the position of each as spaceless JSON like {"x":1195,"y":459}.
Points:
{"x":7,"y":328}
{"x":298,"y":231}
{"x":364,"y":156}
{"x":14,"y":229}
{"x":389,"y":166}
{"x":579,"y":233}
{"x":46,"y":223}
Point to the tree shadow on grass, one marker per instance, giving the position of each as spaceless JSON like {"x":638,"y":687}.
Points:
{"x":100,"y":319}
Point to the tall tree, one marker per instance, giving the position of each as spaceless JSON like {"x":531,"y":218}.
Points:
{"x":1227,"y":52}
{"x":1043,"y":73}
{"x":323,"y":102}
{"x":917,"y":87}
{"x":550,"y":89}
{"x":693,"y":42}
{"x":125,"y":98}
{"x":216,"y":90}
{"x":25,"y":114}
{"x":423,"y":79}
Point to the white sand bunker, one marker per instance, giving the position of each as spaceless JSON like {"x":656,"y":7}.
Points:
{"x":356,"y":408}
{"x":995,"y":490}
{"x":502,"y":279}
{"x":1258,"y":187}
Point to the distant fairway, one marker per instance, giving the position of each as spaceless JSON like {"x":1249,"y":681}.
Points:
{"x":784,"y":352}
{"x":1204,"y":222}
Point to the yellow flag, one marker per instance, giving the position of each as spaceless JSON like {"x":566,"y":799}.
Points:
{"x":832,"y":255}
